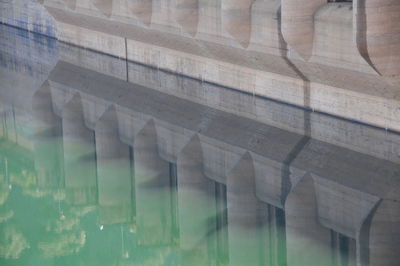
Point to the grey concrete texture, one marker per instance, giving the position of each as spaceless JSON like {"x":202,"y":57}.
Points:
{"x":343,"y":180}
{"x":337,"y":58}
{"x":350,"y":189}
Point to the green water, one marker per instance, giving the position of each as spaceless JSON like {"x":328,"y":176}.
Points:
{"x":47,"y":218}
{"x":69,"y":200}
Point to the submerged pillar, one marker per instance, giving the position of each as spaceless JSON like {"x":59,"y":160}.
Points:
{"x":379,"y":241}
{"x":308,"y":242}
{"x":113,"y":171}
{"x":247,"y":216}
{"x":79,"y":155}
{"x":196,"y":205}
{"x":153,"y":195}
{"x":47,"y":146}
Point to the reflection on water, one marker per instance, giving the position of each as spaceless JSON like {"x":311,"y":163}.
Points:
{"x":167,"y":170}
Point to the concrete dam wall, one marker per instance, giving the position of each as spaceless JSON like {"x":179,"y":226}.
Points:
{"x":308,"y":168}
{"x":28,"y":15}
{"x":335,"y":57}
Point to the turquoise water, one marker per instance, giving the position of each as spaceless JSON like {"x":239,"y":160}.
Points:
{"x":169,"y":170}
{"x":64,"y":206}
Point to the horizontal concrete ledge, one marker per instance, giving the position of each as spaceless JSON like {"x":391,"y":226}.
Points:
{"x":353,"y":95}
{"x":224,"y":133}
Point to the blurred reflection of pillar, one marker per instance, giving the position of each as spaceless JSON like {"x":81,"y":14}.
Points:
{"x":247,"y":216}
{"x":79,"y":155}
{"x":3,"y":122}
{"x":113,"y":171}
{"x":9,"y":130}
{"x":153,"y":196}
{"x":47,"y":145}
{"x":221,"y":223}
{"x":196,"y":205}
{"x":276,"y":252}
{"x":308,"y":242}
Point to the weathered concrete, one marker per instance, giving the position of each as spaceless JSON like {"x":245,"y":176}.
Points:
{"x":79,"y":155}
{"x":28,"y":15}
{"x":352,"y":200}
{"x":332,"y":88}
{"x":265,"y":27}
{"x":333,"y":42}
{"x":247,"y":216}
{"x":114,"y":180}
{"x":187,"y":15}
{"x":47,"y":146}
{"x":236,"y":19}
{"x":152,"y":186}
{"x":195,"y":192}
{"x":377,"y":35}
{"x":307,"y":240}
{"x":298,"y":24}
{"x":348,"y":187}
{"x":350,"y":52}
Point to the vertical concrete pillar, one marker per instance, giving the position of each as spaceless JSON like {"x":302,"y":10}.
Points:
{"x":265,"y":33}
{"x":298,"y":24}
{"x":308,"y":243}
{"x":105,"y":6}
{"x":236,"y":19}
{"x":113,"y":171}
{"x":378,"y":36}
{"x":47,"y":146}
{"x":163,"y":16}
{"x":153,"y":195}
{"x":79,"y":155}
{"x":334,"y":44}
{"x":380,"y":244}
{"x":133,"y":10}
{"x":196,"y":204}
{"x":187,"y":15}
{"x":142,"y":9}
{"x":247,"y":216}
{"x":210,"y":20}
